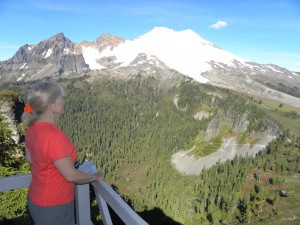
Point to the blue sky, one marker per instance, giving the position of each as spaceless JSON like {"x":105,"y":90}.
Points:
{"x":264,"y":31}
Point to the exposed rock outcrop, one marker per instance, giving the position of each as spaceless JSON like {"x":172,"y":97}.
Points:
{"x":7,"y":112}
{"x":52,"y":57}
{"x":190,"y":165}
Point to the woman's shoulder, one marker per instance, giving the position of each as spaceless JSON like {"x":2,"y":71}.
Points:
{"x":45,"y":127}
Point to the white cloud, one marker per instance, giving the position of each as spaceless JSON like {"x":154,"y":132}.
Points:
{"x":218,"y":25}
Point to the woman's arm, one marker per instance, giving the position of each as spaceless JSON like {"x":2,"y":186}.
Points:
{"x":66,"y":168}
{"x":27,"y":156}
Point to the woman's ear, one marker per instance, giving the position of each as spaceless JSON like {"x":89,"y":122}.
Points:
{"x":51,"y":107}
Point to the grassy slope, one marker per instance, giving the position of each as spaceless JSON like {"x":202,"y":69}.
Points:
{"x":278,"y":113}
{"x":288,"y":208}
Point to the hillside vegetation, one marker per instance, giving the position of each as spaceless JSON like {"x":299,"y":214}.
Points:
{"x":13,"y":203}
{"x":130,"y":129}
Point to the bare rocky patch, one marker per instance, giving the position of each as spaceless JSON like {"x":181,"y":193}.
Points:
{"x":190,"y":165}
{"x":202,"y":115}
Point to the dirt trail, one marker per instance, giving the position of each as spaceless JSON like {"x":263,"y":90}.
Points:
{"x":189,"y":165}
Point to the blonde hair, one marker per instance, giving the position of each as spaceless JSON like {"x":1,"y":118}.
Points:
{"x":39,"y":97}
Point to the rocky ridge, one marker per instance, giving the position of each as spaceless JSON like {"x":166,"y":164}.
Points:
{"x":53,"y":57}
{"x":158,"y":50}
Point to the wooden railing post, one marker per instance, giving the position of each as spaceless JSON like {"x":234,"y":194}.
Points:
{"x":103,"y":210}
{"x":106,"y":195}
{"x":89,"y":167}
{"x":82,"y":205}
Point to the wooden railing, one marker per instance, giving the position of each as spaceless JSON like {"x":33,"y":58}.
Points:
{"x":104,"y":193}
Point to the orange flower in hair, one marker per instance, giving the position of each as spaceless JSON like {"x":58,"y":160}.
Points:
{"x":27,"y":108}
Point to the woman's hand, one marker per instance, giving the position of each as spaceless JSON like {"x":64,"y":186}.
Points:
{"x":66,"y":168}
{"x":99,"y":176}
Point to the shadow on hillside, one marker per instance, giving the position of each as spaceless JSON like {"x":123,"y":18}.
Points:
{"x":153,"y":217}
{"x":157,"y":217}
{"x":22,"y":220}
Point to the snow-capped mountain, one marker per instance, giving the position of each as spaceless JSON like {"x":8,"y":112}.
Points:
{"x":184,"y":51}
{"x":161,"y":48}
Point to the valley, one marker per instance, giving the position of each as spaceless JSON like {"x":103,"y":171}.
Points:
{"x":132,"y":128}
{"x":213,"y":140}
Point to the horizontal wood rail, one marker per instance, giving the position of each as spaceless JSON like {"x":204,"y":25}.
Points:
{"x":104,"y":193}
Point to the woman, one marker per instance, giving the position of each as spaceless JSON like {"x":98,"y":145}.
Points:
{"x":51,"y":155}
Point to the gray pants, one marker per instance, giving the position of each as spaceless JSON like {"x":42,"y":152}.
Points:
{"x":52,"y":215}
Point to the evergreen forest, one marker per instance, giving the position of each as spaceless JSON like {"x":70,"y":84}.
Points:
{"x":131,"y":128}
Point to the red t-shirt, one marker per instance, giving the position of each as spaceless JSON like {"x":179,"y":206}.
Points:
{"x":46,"y":143}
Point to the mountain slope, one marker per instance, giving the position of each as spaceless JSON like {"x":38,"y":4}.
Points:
{"x":55,"y":56}
{"x":182,"y":51}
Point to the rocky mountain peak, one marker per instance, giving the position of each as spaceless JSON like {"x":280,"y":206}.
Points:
{"x":58,"y":36}
{"x":107,"y":40}
{"x":58,"y":43}
{"x":51,"y":57}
